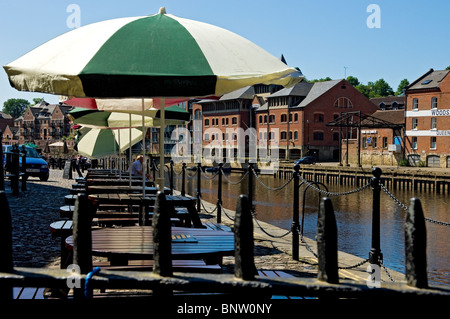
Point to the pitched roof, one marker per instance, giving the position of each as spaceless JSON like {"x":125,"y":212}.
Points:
{"x":388,"y":100}
{"x":246,"y":92}
{"x":429,"y":80}
{"x":317,"y":90}
{"x":300,"y":89}
{"x":391,"y":116}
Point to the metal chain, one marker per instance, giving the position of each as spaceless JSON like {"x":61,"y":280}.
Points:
{"x":208,"y":177}
{"x":204,"y":208}
{"x":387,"y":272}
{"x":270,"y":188}
{"x":331,"y":193}
{"x":235,"y":183}
{"x":191,"y":176}
{"x":265,"y":232}
{"x":399,"y":203}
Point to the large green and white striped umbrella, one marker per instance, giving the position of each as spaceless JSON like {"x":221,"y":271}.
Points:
{"x":152,"y":56}
{"x":98,"y":143}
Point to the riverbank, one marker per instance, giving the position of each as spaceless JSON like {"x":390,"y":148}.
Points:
{"x":33,"y":246}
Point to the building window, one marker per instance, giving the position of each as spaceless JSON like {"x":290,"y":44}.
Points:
{"x":283,"y":118}
{"x":318,"y":136}
{"x":206,"y":137}
{"x":271,"y":118}
{"x":343,"y":102}
{"x":414,"y":123}
{"x":283,"y":135}
{"x":385,"y":142}
{"x":433,"y":142}
{"x":433,"y":123}
{"x":415,"y":104}
{"x":260,"y":119}
{"x":434,"y":103}
{"x":234,"y":121}
{"x":335,"y":136}
{"x":226,"y":121}
{"x":223,"y":121}
{"x":374,"y":142}
{"x":318,"y":117}
{"x":295,"y":117}
{"x":414,"y":143}
{"x":364,"y":141}
{"x":206,"y":122}
{"x":296,"y":135}
{"x":265,"y":118}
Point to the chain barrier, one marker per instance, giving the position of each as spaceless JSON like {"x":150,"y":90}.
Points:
{"x":209,"y":177}
{"x":191,"y":176}
{"x":270,"y":188}
{"x":234,"y":183}
{"x":309,"y":184}
{"x":387,"y":272}
{"x":399,"y":203}
{"x":265,"y":231}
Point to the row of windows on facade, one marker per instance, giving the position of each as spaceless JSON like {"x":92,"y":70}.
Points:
{"x":317,"y":136}
{"x":434,"y":103}
{"x":415,"y":123}
{"x":432,"y":142}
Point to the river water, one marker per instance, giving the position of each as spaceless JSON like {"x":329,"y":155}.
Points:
{"x":353,"y":215}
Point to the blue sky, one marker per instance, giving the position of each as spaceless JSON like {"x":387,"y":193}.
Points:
{"x":320,"y":37}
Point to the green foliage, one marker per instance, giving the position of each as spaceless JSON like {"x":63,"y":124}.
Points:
{"x":448,"y":68}
{"x":353,"y":80}
{"x":401,"y":87}
{"x":15,"y":107}
{"x":403,"y":162}
{"x":320,"y":80}
{"x":422,"y":164}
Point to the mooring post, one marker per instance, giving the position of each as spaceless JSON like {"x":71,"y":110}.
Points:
{"x":219,"y":195}
{"x":375,"y":255}
{"x":162,"y":237}
{"x":243,"y":241}
{"x":199,"y":187}
{"x":250,"y":186}
{"x":171,"y":177}
{"x":2,"y":173}
{"x":327,"y":248}
{"x":295,"y":215}
{"x":6,"y":260}
{"x":183,"y":179}
{"x":15,"y":170}
{"x":415,"y":246}
{"x":24,"y":168}
{"x":82,"y":240}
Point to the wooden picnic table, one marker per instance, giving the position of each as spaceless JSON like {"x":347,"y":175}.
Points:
{"x":149,"y":201}
{"x":104,"y":189}
{"x":136,"y":243}
{"x":117,"y":181}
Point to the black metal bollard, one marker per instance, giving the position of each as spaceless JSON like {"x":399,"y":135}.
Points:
{"x":250,"y":186}
{"x":15,"y":170}
{"x":415,"y":246}
{"x":183,"y":179}
{"x":162,"y":237}
{"x":2,"y":173}
{"x":295,"y":215}
{"x":6,"y":260}
{"x":375,"y":255}
{"x":82,"y":240}
{"x":219,"y":195}
{"x":171,"y":177}
{"x":199,"y":187}
{"x":24,"y":169}
{"x":243,"y":241}
{"x":327,"y":248}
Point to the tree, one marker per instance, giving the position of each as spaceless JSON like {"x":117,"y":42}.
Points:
{"x":353,"y":80}
{"x":448,"y":68}
{"x":37,"y":100}
{"x":381,"y":88}
{"x":401,"y":87}
{"x":15,"y":107}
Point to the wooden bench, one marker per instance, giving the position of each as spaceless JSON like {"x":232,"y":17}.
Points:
{"x":278,"y":274}
{"x":28,"y":293}
{"x":194,"y":265}
{"x":215,"y":226}
{"x":70,"y":199}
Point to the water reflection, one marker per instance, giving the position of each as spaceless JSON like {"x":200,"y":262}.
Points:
{"x":353,"y":215}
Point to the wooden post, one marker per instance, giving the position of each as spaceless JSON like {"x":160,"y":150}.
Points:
{"x":6,"y":260}
{"x":143,"y":212}
{"x":24,"y":168}
{"x":82,"y":240}
{"x":162,"y":237}
{"x":171,"y":177}
{"x":183,"y":179}
{"x":415,"y":246}
{"x":327,"y":243}
{"x":219,"y":195}
{"x":243,"y":241}
{"x":199,"y":187}
{"x":15,"y":170}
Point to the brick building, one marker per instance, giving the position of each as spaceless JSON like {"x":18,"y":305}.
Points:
{"x":428,"y":119}
{"x":43,"y":122}
{"x":300,"y":115}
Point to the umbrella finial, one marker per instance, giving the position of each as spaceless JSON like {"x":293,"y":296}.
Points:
{"x":162,"y":10}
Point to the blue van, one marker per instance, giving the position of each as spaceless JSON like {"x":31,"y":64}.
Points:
{"x":36,"y":165}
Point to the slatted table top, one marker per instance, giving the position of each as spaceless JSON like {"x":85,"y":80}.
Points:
{"x":102,"y":189}
{"x":136,"y":242}
{"x":116,"y":198}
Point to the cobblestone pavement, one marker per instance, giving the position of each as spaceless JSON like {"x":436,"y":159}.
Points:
{"x":34,"y":210}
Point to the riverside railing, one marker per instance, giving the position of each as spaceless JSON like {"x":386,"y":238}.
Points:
{"x":166,"y":284}
{"x":375,"y":256}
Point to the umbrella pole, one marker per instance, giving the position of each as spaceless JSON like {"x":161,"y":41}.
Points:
{"x":161,"y":145}
{"x":120,"y":159}
{"x":144,"y":163}
{"x":129,"y":154}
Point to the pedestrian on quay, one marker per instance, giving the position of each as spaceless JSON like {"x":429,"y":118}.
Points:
{"x":137,"y":167}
